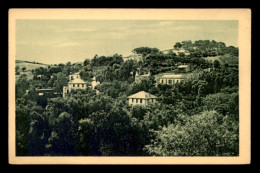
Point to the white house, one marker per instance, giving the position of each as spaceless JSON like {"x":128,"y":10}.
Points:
{"x":142,"y":98}
{"x":75,"y":83}
{"x":169,"y":78}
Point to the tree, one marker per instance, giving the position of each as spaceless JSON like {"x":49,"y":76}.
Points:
{"x":208,"y":134}
{"x":62,"y":140}
{"x":223,"y":103}
{"x":23,"y":69}
{"x":216,"y":64}
{"x":145,"y":50}
{"x":22,"y":123}
{"x":86,"y":62}
{"x":21,"y":86}
{"x":60,"y":82}
{"x":177,"y":45}
{"x":17,"y":68}
{"x":38,"y":134}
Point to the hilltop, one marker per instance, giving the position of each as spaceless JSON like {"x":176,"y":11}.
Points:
{"x":29,"y":66}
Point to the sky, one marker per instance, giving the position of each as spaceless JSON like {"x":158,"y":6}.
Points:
{"x":60,"y":41}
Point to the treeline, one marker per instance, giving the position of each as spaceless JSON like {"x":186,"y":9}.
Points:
{"x":90,"y":124}
{"x":205,"y":48}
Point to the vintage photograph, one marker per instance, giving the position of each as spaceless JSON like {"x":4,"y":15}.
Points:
{"x":149,"y":88}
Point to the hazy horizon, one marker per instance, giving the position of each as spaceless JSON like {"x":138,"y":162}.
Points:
{"x":60,"y":41}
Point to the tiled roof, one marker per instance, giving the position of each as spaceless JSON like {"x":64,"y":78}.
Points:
{"x":44,"y":89}
{"x":175,"y":76}
{"x":146,"y":75}
{"x":183,"y":66}
{"x":142,"y":95}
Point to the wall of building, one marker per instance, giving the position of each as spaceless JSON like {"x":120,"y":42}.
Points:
{"x":133,"y":101}
{"x":170,"y":81}
{"x":74,"y":76}
{"x":76,"y":86}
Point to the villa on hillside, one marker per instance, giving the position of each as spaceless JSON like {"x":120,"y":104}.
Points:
{"x":173,"y":77}
{"x":169,"y":78}
{"x":142,"y":98}
{"x":75,"y":83}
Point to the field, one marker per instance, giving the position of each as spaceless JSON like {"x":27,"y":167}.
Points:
{"x":29,"y":67}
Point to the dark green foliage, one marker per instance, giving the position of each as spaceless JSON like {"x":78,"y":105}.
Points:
{"x":177,"y":45}
{"x":21,"y":86}
{"x":208,"y":134}
{"x":23,"y":69}
{"x":145,"y":50}
{"x":62,"y":140}
{"x":196,"y":117}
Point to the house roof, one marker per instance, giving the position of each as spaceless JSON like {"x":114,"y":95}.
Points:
{"x":142,"y":95}
{"x":175,"y":76}
{"x":45,"y":89}
{"x":77,"y":73}
{"x":183,"y":66}
{"x":78,"y":81}
{"x":171,"y":76}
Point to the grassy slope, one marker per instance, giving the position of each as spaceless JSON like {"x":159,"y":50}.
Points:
{"x":231,"y":60}
{"x":29,"y":66}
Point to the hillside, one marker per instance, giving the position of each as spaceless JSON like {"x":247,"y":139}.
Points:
{"x":224,"y":59}
{"x":29,"y":67}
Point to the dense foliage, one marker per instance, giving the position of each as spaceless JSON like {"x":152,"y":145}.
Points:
{"x":197,"y":117}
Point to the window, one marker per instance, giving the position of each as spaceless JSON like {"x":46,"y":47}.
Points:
{"x":82,"y":85}
{"x":170,"y":81}
{"x":162,"y":81}
{"x":136,"y":100}
{"x":140,"y":100}
{"x":132,"y":100}
{"x":73,"y":85}
{"x":78,"y":85}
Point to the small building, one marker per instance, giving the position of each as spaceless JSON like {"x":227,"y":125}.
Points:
{"x":48,"y":92}
{"x":142,"y":98}
{"x":94,"y":83}
{"x":75,"y":83}
{"x":169,"y":78}
{"x":183,"y":68}
{"x":39,"y":76}
{"x":139,"y":78}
